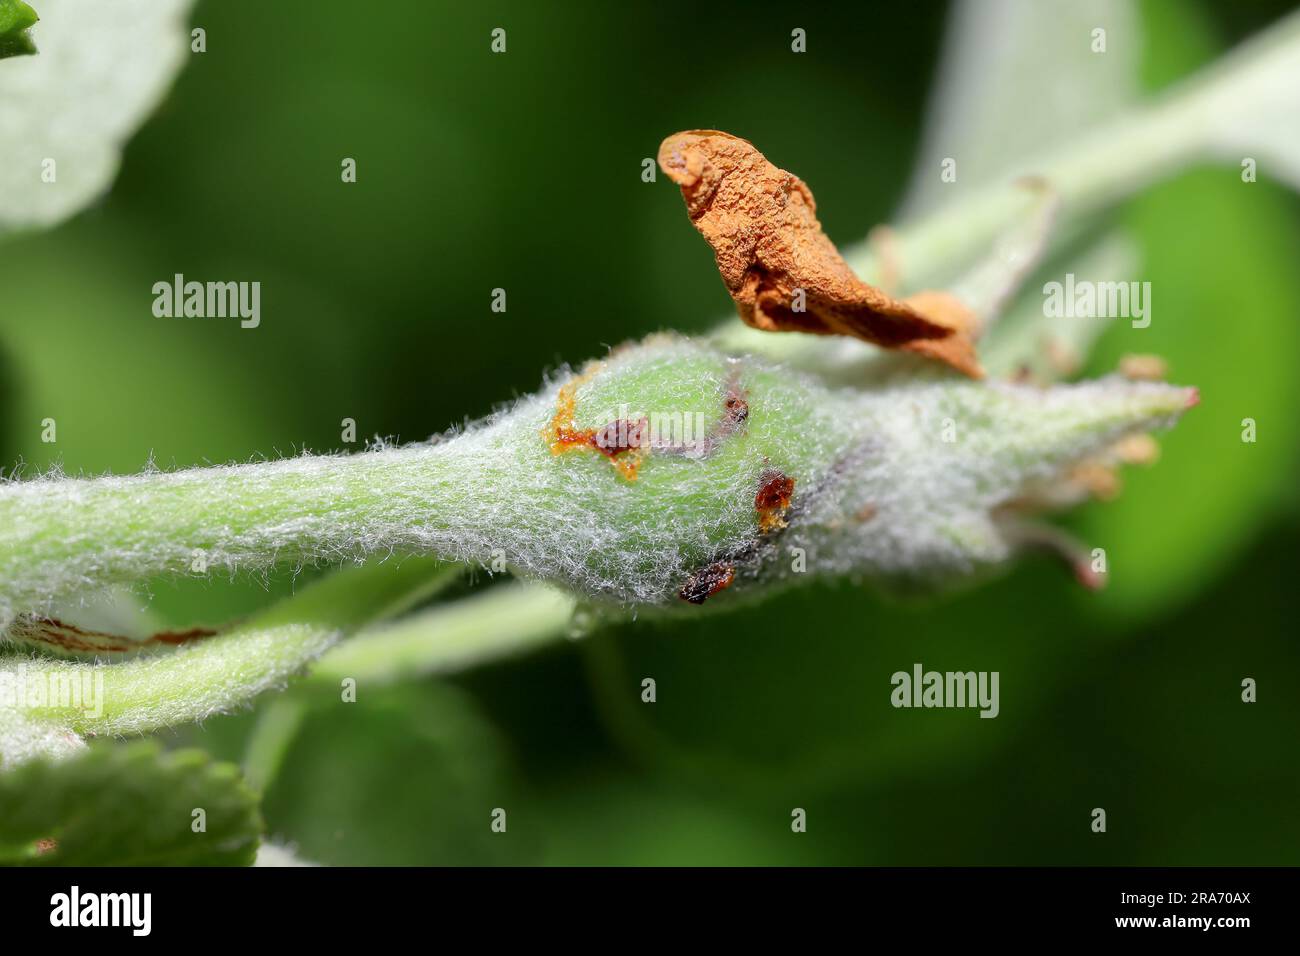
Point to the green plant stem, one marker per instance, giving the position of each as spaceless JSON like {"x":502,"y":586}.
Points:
{"x":54,"y":533}
{"x":142,"y":694}
{"x":500,"y":491}
{"x":1111,"y":162}
{"x":277,"y":726}
{"x":504,"y":621}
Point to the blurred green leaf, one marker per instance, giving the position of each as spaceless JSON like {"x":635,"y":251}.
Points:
{"x":793,"y":694}
{"x":587,"y":824}
{"x":1223,"y":317}
{"x":127,"y":805}
{"x":403,"y":776}
{"x":1224,"y":308}
{"x":1016,"y":76}
{"x":15,"y":18}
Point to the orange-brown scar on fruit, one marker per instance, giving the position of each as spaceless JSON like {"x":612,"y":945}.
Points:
{"x":784,"y":274}
{"x":619,"y":441}
{"x":772,"y":500}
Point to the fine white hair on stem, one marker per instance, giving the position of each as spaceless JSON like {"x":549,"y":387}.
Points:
{"x":931,"y":461}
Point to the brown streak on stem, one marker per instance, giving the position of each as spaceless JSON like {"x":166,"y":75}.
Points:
{"x":71,"y":637}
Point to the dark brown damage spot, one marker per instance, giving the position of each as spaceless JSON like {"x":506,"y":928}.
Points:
{"x":706,"y":582}
{"x":735,"y":410}
{"x":622,"y":435}
{"x":772,"y":500}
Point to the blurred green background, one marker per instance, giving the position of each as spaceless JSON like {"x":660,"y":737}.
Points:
{"x":522,"y":171}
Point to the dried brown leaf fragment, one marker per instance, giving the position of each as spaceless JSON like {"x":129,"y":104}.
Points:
{"x":783,"y":272}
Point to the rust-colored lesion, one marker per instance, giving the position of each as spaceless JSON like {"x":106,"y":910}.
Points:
{"x":772,"y":500}
{"x":624,"y":443}
{"x":782,"y":271}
